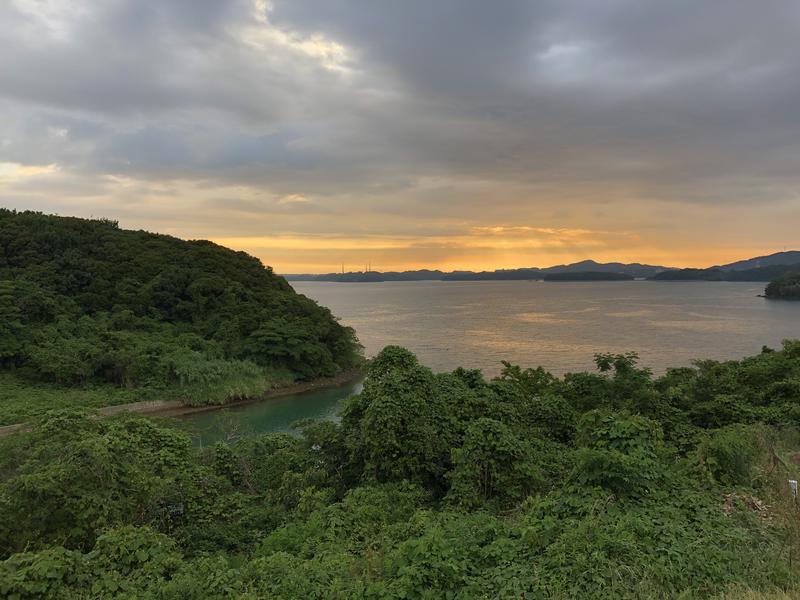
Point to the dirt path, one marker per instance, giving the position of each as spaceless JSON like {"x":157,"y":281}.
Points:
{"x":174,"y":408}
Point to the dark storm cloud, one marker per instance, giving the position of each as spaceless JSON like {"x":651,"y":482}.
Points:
{"x":644,"y":93}
{"x":448,"y":45}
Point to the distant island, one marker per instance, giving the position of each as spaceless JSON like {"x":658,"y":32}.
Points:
{"x":588,"y":276}
{"x":727,"y":273}
{"x":786,"y":287}
{"x":761,"y":268}
{"x":633,"y":270}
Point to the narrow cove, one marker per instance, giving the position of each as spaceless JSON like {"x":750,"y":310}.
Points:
{"x":266,"y":416}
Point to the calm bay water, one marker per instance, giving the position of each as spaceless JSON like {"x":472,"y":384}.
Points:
{"x":558,"y":325}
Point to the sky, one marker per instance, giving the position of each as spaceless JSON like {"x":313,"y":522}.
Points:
{"x":452,"y":134}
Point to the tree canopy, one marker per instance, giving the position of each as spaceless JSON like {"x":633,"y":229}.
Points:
{"x":83,"y":301}
{"x":786,"y":287}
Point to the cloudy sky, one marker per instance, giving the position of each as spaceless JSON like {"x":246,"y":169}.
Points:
{"x":414,"y":133}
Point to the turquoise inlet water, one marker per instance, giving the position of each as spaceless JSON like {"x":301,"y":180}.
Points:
{"x":274,"y":415}
{"x":558,"y":325}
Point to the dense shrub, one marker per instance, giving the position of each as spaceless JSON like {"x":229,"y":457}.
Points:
{"x":492,"y":465}
{"x":730,"y":454}
{"x":609,"y":485}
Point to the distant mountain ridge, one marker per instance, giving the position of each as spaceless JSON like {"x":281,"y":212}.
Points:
{"x":789,"y":257}
{"x":584,"y":266}
{"x":588,"y":276}
{"x":632,"y":269}
{"x":761,"y":268}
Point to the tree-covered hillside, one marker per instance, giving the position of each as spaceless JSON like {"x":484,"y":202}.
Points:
{"x":721,"y":274}
{"x":786,"y":287}
{"x":83,"y":302}
{"x":594,"y":485}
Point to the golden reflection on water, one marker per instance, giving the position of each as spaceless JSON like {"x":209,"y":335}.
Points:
{"x":559,"y":325}
{"x":533,"y":317}
{"x":644,"y":312}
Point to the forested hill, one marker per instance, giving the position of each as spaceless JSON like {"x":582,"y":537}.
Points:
{"x":786,"y":287}
{"x":767,"y":273}
{"x":85,"y":301}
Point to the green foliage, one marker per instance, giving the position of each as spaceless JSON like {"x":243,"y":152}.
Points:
{"x":721,"y":410}
{"x":84,"y":303}
{"x":23,"y":400}
{"x":730,"y":454}
{"x":397,"y":427}
{"x":11,"y":328}
{"x":530,"y":381}
{"x":492,"y":465}
{"x":619,"y":431}
{"x":619,"y":452}
{"x":786,"y":287}
{"x":607,"y":485}
{"x":52,"y":573}
{"x":551,"y":415}
{"x":127,"y":559}
{"x":198,"y":380}
{"x":80,"y":476}
{"x":678,"y":544}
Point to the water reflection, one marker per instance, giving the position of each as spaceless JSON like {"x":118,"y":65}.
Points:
{"x":559,"y":325}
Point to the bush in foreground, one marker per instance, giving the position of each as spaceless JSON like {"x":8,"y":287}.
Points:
{"x":432,"y":486}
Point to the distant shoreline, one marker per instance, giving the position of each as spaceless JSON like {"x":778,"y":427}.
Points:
{"x":540,"y":280}
{"x":760,"y":268}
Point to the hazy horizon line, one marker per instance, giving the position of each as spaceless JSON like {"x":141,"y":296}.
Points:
{"x":441,"y":270}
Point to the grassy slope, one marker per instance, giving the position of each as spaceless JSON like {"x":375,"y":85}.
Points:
{"x":21,"y":400}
